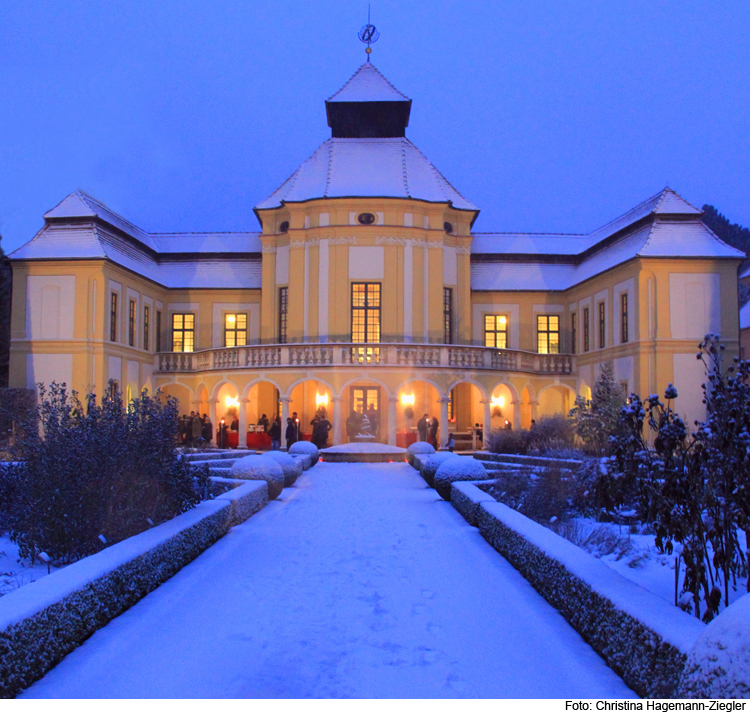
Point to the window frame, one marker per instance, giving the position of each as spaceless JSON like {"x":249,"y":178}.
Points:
{"x":146,"y":326}
{"x":237,"y":330}
{"x":448,"y":327}
{"x":586,"y":329}
{"x":368,"y":321}
{"x":545,"y":334}
{"x":624,"y":313}
{"x":131,"y":322}
{"x":573,"y":332}
{"x":113,"y":302}
{"x":183,"y":329}
{"x":602,"y":310}
{"x":495,"y":332}
{"x":283,"y":321}
{"x":157,"y":332}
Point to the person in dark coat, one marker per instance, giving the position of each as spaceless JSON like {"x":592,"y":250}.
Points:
{"x":207,"y":431}
{"x":291,"y":432}
{"x":320,"y":432}
{"x":275,"y":433}
{"x":433,"y":433}
{"x":263,"y":422}
{"x":422,"y":426}
{"x":352,"y":425}
{"x":374,"y":418}
{"x":197,"y":426}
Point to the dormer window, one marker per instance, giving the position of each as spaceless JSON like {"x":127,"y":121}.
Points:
{"x":284,"y":227}
{"x":448,"y":227}
{"x":366,"y":218}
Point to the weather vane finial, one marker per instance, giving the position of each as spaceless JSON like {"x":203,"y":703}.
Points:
{"x":368,"y":34}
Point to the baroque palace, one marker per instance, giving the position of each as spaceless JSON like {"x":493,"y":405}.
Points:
{"x":366,"y":286}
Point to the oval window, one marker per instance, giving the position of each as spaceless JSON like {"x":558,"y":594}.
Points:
{"x":284,"y":226}
{"x":366,"y":218}
{"x":448,"y":227}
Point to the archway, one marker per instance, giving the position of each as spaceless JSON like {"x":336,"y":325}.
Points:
{"x":465,"y":415}
{"x":414,"y":399}
{"x":261,"y":404}
{"x":503,"y":408}
{"x":308,"y":399}
{"x":365,"y":410}
{"x":528,"y":406}
{"x":554,"y":400}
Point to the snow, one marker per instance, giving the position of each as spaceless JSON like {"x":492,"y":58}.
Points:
{"x":719,"y":665}
{"x":421,"y":448}
{"x":676,"y":627}
{"x":15,"y":571}
{"x":357,"y":583}
{"x":367,"y":84}
{"x":291,"y":467}
{"x":260,"y":467}
{"x":380,"y":167}
{"x":365,"y":448}
{"x":745,"y":315}
{"x":461,"y":468}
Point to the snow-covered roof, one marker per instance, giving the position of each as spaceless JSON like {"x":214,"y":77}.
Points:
{"x":387,"y":167}
{"x":665,"y":203}
{"x":207,"y":242}
{"x":368,"y":84}
{"x":659,"y":238}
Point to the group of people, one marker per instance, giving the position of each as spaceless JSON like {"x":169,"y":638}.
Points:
{"x":320,"y":428}
{"x":428,"y":430}
{"x":194,"y":429}
{"x":363,"y":424}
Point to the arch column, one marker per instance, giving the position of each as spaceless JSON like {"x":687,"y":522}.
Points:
{"x":285,"y":401}
{"x":443,"y":431}
{"x":516,"y":414}
{"x":487,"y":422}
{"x":242,"y":434}
{"x":392,"y":401}
{"x":336,"y":401}
{"x":214,"y":423}
{"x":534,"y":404}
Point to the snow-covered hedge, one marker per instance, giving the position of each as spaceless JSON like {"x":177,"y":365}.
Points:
{"x":304,"y":459}
{"x":45,"y":620}
{"x":457,"y":469}
{"x":641,"y":636}
{"x":418,"y":448}
{"x":291,"y":467}
{"x":306,"y":448}
{"x":430,"y":467}
{"x":466,"y":497}
{"x":260,"y":467}
{"x":719,"y":665}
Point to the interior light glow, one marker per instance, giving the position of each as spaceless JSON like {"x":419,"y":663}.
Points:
{"x":232,"y":401}
{"x":407,"y":399}
{"x":321,"y":400}
{"x":498,"y":401}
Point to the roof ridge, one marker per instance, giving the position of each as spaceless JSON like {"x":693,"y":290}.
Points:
{"x":210,"y":232}
{"x":669,"y":190}
{"x":367,"y":64}
{"x":328,"y":170}
{"x":441,"y":180}
{"x":403,"y":167}
{"x":625,"y":214}
{"x":536,"y":234}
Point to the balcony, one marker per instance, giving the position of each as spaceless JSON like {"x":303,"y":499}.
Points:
{"x":394,"y":355}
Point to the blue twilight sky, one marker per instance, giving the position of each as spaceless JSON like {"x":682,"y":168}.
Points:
{"x":551,"y":116}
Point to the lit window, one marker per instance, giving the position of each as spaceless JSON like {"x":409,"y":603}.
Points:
{"x":183,"y":331}
{"x":496,"y":331}
{"x":447,"y":315}
{"x":365,"y":312}
{"x":235,"y":329}
{"x":283,"y":313}
{"x":548,"y":334}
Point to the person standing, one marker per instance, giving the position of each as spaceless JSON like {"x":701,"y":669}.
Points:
{"x":320,"y":432}
{"x":197,"y":427}
{"x":352,"y":425}
{"x":291,"y":432}
{"x":374,"y":417}
{"x":422,"y":426}
{"x":263,"y":422}
{"x":275,"y":433}
{"x":433,"y":433}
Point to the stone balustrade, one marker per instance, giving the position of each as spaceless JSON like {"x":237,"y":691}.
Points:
{"x":397,"y":355}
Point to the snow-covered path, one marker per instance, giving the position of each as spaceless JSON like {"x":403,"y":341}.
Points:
{"x":359,"y":582}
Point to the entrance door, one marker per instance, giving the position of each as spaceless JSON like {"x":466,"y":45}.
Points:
{"x":361,"y":399}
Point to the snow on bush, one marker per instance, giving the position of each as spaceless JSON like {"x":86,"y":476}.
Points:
{"x":454,"y":470}
{"x":291,"y":467}
{"x":304,"y":459}
{"x":642,"y":637}
{"x":433,"y":462}
{"x":44,"y":621}
{"x":719,"y":665}
{"x":466,"y":497}
{"x":306,"y":448}
{"x":418,"y":448}
{"x":260,"y":467}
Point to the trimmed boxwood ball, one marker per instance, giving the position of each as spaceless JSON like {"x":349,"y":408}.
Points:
{"x":306,"y":448}
{"x":418,"y":448}
{"x":433,"y":462}
{"x":291,"y":467}
{"x":460,"y":469}
{"x":260,"y":467}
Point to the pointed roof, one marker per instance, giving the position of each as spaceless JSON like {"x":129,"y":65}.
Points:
{"x":380,"y":167}
{"x":366,"y":85}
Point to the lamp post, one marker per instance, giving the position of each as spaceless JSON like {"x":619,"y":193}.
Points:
{"x":222,"y":435}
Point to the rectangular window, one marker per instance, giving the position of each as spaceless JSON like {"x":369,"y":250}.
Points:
{"x":183,"y":331}
{"x":586,"y":329}
{"x":365,"y":312}
{"x":113,"y":318}
{"x":624,"y":318}
{"x":283,"y":313}
{"x":548,"y":334}
{"x":158,"y":330}
{"x":496,"y":331}
{"x":602,"y":329}
{"x":131,"y":323}
{"x":447,"y":315}
{"x":235,"y":329}
{"x":573,"y":333}
{"x":146,"y":322}
{"x":452,"y":406}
